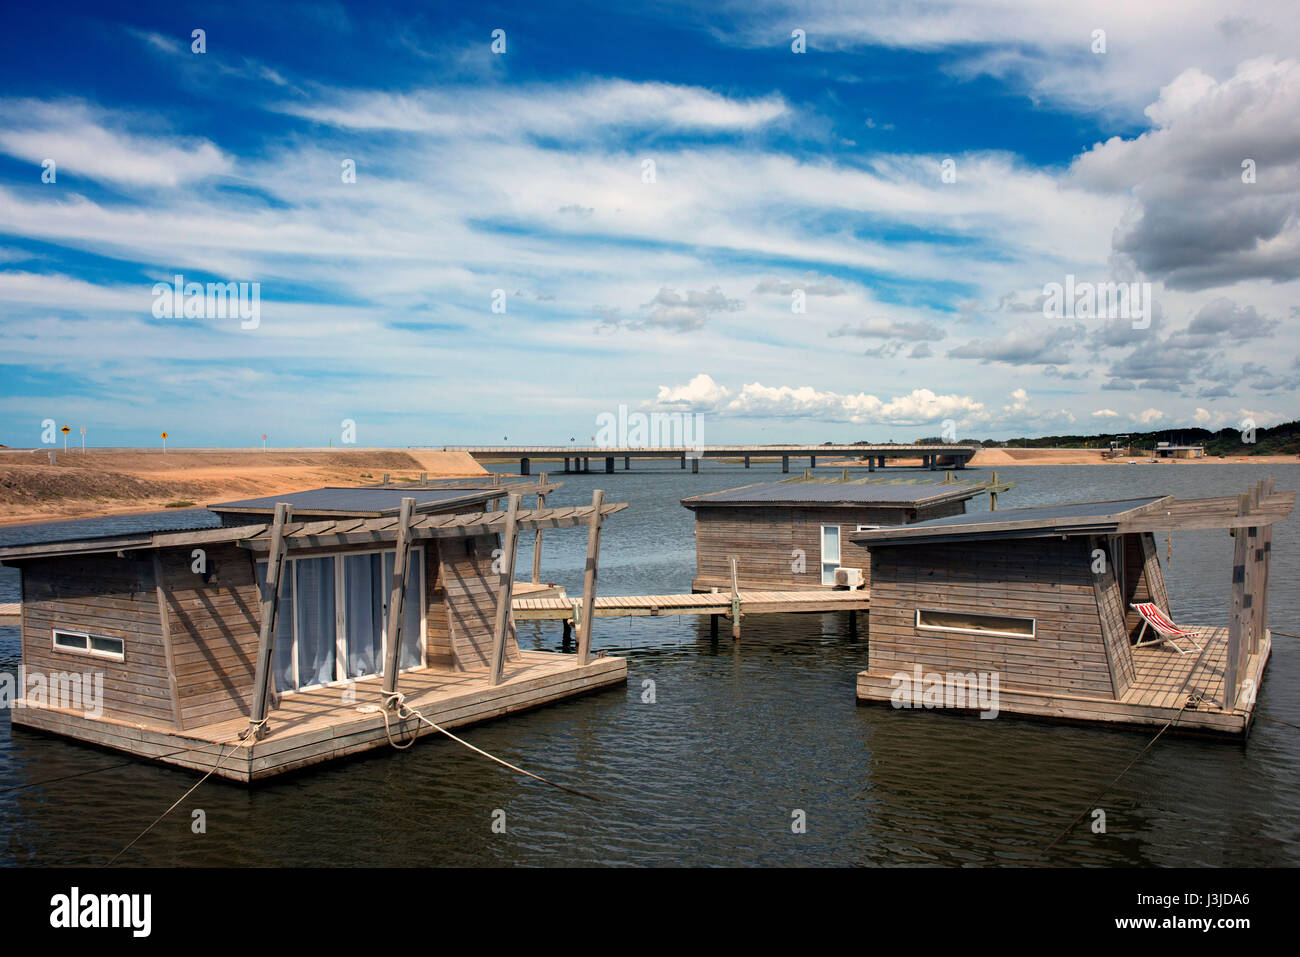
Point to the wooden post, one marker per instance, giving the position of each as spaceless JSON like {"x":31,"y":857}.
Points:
{"x":1238,"y":622}
{"x":713,"y":626}
{"x":424,"y":478}
{"x":1265,"y":555}
{"x":537,"y":537}
{"x":735,"y":601}
{"x":397,"y":597}
{"x":589,"y":578}
{"x":993,"y":493}
{"x":270,"y":608}
{"x":505,"y":590}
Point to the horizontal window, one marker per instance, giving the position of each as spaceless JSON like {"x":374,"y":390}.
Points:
{"x":100,"y":646}
{"x":974,"y":624}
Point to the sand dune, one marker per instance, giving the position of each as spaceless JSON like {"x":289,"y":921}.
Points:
{"x":118,"y":482}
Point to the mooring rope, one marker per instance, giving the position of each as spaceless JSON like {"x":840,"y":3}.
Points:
{"x":397,"y":702}
{"x":1191,"y":698}
{"x":233,"y":747}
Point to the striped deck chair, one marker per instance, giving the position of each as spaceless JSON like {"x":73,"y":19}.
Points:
{"x":1166,"y":632}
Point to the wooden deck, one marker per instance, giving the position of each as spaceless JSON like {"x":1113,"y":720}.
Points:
{"x":1163,"y":683}
{"x":706,"y":603}
{"x":319,"y":724}
{"x":11,"y":613}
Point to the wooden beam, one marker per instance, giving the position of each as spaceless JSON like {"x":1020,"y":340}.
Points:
{"x":270,"y":609}
{"x":1238,"y":622}
{"x":505,"y":587}
{"x":1265,"y":556}
{"x":164,"y":621}
{"x":537,"y":538}
{"x":589,"y":577}
{"x":397,"y":598}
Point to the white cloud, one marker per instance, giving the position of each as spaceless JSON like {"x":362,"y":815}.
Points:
{"x":1107,"y":414}
{"x":1149,"y":416}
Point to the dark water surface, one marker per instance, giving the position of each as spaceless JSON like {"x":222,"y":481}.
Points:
{"x":739,"y":736}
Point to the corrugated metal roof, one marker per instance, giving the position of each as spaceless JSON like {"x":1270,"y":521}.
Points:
{"x":834,"y":493}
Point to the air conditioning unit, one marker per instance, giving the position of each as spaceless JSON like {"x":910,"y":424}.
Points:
{"x":848,"y":577}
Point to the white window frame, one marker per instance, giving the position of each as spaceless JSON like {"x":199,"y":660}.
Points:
{"x":1033,"y":624}
{"x":88,"y":649}
{"x":839,"y":552}
{"x":340,"y":618}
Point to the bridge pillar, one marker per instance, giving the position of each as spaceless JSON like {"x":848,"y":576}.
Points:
{"x":586,"y":463}
{"x":523,"y":466}
{"x":695,"y":466}
{"x":871,"y":463}
{"x":785,"y":463}
{"x":683,"y":460}
{"x":746,"y":461}
{"x":609,"y":465}
{"x":961,"y":462}
{"x":812,"y":461}
{"x":627,"y":462}
{"x":566,"y":465}
{"x":882,"y":462}
{"x":934,"y":462}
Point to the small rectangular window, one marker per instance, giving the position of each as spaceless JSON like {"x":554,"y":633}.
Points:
{"x":71,"y":641}
{"x":107,"y":647}
{"x":99,"y":646}
{"x":975,"y":624}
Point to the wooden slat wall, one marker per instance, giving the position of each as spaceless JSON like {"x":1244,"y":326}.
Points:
{"x":437,"y":647}
{"x":103,"y":595}
{"x":1049,"y":580}
{"x":1153,"y":575}
{"x":1114,"y":627}
{"x":214,"y":627}
{"x":470,"y":588}
{"x":765,"y":538}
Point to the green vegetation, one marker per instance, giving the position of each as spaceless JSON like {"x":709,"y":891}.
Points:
{"x":1281,"y":439}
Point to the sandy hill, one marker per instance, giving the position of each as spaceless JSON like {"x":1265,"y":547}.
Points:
{"x":113,"y":482}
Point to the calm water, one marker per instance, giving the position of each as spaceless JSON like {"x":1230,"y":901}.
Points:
{"x":738,"y":737}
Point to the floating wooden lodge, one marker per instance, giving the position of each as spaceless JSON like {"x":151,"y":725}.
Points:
{"x":279,"y":639}
{"x":1044,"y":598}
{"x":798,"y":534}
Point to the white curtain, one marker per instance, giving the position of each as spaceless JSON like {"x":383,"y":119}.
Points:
{"x":410,"y":653}
{"x":314,"y":583}
{"x":363,"y":577}
{"x":282,"y":662}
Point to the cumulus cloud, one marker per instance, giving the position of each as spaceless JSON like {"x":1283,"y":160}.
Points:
{"x":1026,"y":345}
{"x":811,"y":283}
{"x":1105,"y":414}
{"x":1149,"y":416}
{"x":886,"y":328}
{"x":1193,"y":222}
{"x":920,"y":406}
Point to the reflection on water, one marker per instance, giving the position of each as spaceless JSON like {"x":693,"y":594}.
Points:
{"x":737,"y":738}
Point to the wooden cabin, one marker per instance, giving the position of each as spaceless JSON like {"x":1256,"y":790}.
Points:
{"x":795,"y":534}
{"x":1041,"y":599}
{"x":274,"y":641}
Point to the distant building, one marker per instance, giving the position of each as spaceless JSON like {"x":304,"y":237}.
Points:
{"x":1166,"y":450}
{"x":795,"y":534}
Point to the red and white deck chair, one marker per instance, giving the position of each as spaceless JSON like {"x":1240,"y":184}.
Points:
{"x":1166,"y":631}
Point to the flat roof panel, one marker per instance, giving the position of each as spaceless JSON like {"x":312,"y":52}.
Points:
{"x":831,"y":493}
{"x":345,"y":500}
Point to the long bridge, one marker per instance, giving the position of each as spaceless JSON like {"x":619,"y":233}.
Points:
{"x":577,"y":458}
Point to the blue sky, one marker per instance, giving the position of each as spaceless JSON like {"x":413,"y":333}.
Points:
{"x":521,"y":178}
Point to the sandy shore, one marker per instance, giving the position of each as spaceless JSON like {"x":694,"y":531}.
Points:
{"x":95,"y":483}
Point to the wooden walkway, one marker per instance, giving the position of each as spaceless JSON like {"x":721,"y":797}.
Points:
{"x":1164,"y":682}
{"x":11,"y":613}
{"x":336,"y":720}
{"x":707,"y":603}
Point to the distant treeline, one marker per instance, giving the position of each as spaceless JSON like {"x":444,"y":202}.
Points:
{"x":1281,"y":439}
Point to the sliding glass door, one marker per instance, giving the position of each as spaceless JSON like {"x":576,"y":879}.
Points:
{"x":333,"y":618}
